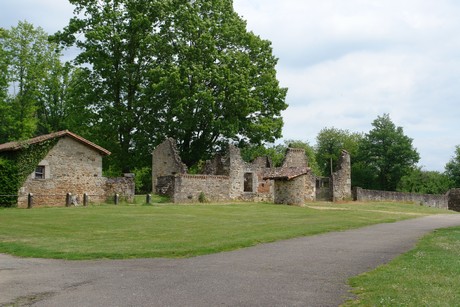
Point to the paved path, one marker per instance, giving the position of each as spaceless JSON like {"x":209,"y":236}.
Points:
{"x":310,"y":271}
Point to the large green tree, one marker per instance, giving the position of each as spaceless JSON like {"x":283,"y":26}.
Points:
{"x":118,"y":56}
{"x":179,"y":68}
{"x":386,"y":154}
{"x":329,"y":145}
{"x":220,"y":79}
{"x":56,"y":110}
{"x":28,"y":65}
{"x":452,"y":169}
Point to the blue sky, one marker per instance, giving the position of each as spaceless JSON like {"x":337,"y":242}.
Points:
{"x":345,"y":63}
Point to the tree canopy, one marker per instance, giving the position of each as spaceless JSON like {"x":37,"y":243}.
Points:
{"x":183,"y":69}
{"x":329,"y":145}
{"x":453,"y":167}
{"x":27,"y":61}
{"x":385,"y":155}
{"x":425,"y":182}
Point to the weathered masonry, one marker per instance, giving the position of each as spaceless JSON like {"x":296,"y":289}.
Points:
{"x":71,"y":165}
{"x":448,"y":201}
{"x":229,"y":178}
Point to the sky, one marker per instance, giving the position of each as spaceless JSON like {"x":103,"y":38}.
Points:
{"x":345,"y":63}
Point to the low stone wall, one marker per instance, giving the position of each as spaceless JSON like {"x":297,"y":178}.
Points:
{"x":188,"y":188}
{"x":429,"y":200}
{"x":123,"y":186}
{"x":454,"y":199}
{"x":52,"y":192}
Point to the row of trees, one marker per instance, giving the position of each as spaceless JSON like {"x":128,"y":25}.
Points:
{"x":382,"y":159}
{"x":151,"y":69}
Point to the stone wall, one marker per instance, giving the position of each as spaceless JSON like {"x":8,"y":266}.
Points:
{"x":341,"y":179}
{"x":435,"y":201}
{"x":296,"y":191}
{"x":187,"y":188}
{"x":226,"y":177}
{"x":453,"y":197}
{"x":295,"y":157}
{"x":166,"y":161}
{"x":72,"y":167}
{"x":123,"y":186}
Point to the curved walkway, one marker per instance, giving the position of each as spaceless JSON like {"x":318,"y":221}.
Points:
{"x":309,"y":271}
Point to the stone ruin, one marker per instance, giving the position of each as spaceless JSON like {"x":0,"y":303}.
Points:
{"x":229,"y":178}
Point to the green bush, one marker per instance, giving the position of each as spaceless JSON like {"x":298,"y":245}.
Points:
{"x":143,"y":180}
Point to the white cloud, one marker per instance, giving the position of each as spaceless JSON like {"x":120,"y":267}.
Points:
{"x":346,"y":62}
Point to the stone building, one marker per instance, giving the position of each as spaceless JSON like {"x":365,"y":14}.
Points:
{"x":73,"y":165}
{"x":229,"y":178}
{"x":224,"y":178}
{"x":294,"y":183}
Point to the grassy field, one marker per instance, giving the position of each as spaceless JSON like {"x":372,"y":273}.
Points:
{"x":166,"y":230}
{"x":426,"y":276}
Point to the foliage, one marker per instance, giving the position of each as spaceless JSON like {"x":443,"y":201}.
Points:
{"x":182,"y":69}
{"x":429,"y":275}
{"x":180,"y":231}
{"x":309,"y":152}
{"x":30,"y":60}
{"x":277,"y":152}
{"x":329,"y":145}
{"x":221,"y":80}
{"x":118,"y":53}
{"x":143,"y":180}
{"x":387,"y":154}
{"x":5,"y":109}
{"x":453,"y":168}
{"x":16,"y":166}
{"x":8,"y":182}
{"x":202,"y":198}
{"x":56,"y":110}
{"x":425,"y":182}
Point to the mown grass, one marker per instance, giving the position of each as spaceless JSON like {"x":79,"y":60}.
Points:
{"x":166,"y":230}
{"x":429,"y":275}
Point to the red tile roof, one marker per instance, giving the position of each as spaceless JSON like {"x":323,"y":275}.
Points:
{"x":17,"y":145}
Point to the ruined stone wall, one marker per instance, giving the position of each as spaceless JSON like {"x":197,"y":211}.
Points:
{"x":71,"y":167}
{"x":187,"y":188}
{"x":341,"y":179}
{"x":453,"y":197}
{"x":429,"y":200}
{"x":166,"y":161}
{"x":224,"y":178}
{"x":123,"y":186}
{"x":237,"y":169}
{"x":295,"y":157}
{"x":296,"y":191}
{"x":262,"y":190}
{"x":310,"y":187}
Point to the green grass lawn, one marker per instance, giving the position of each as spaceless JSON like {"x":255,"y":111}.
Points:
{"x":166,"y":230}
{"x":426,"y":276}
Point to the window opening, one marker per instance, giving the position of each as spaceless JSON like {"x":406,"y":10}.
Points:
{"x":40,"y":172}
{"x":248,"y":184}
